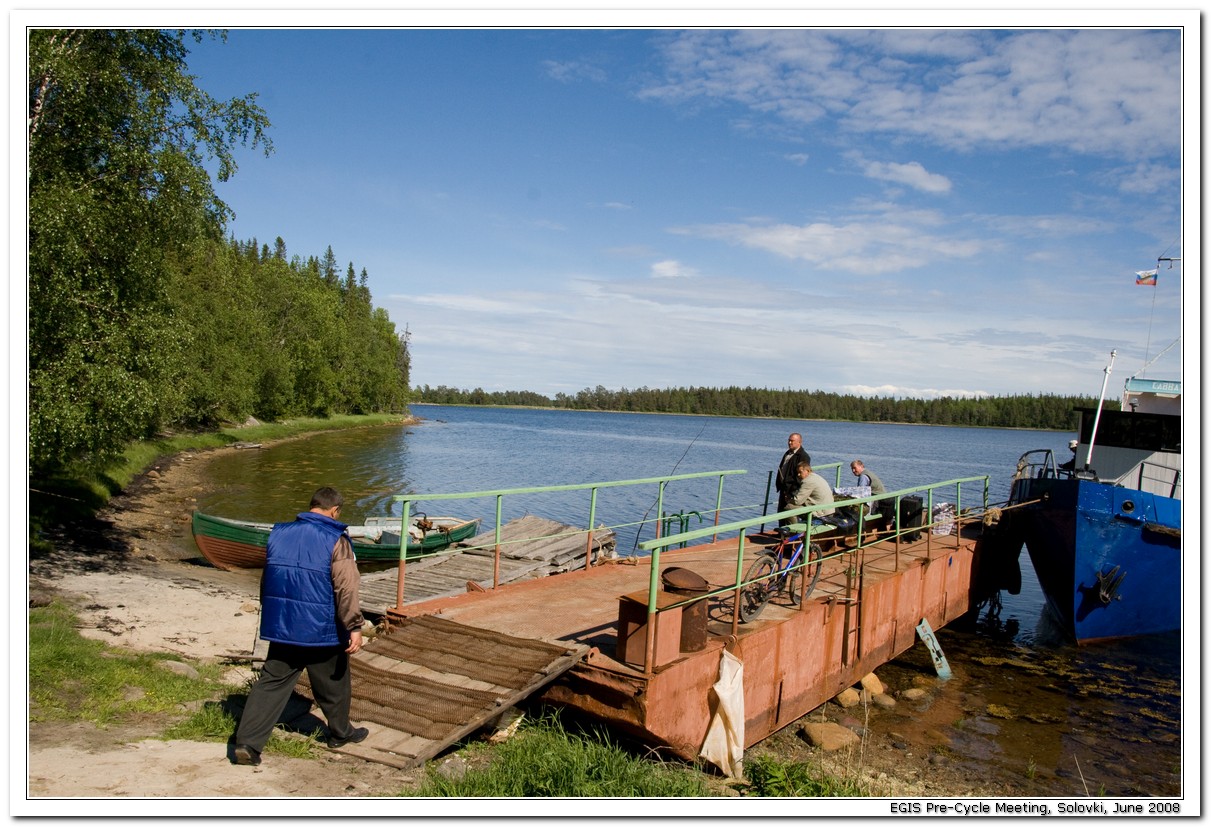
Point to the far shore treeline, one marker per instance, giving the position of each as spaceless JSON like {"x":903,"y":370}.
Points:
{"x":1044,"y":412}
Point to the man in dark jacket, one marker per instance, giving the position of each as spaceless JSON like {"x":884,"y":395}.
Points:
{"x":312,"y":619}
{"x":786,"y":483}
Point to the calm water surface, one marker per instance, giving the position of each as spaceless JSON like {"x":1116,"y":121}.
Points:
{"x":1023,"y":702}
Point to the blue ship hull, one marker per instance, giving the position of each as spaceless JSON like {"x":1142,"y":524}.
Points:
{"x":1108,"y":558}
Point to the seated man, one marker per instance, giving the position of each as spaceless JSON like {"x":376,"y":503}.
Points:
{"x":867,"y":478}
{"x":813,"y":490}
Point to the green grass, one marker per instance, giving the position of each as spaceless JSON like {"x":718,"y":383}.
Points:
{"x":214,"y":722}
{"x":72,"y":678}
{"x":75,"y":679}
{"x":772,"y":778}
{"x":544,"y":759}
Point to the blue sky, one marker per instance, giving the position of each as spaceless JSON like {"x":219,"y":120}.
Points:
{"x":901,"y":211}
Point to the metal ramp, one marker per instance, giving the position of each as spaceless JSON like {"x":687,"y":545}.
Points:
{"x":430,"y":682}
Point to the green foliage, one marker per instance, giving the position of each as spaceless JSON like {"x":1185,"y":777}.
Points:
{"x":118,"y":137}
{"x":142,"y":317}
{"x":1046,"y":412}
{"x":276,"y":339}
{"x":770,"y":777}
{"x":71,"y":678}
{"x":546,"y":760}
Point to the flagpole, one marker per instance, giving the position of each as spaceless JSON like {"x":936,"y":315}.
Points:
{"x":1152,"y":313}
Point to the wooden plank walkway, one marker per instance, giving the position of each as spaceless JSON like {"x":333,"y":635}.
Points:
{"x":430,"y":682}
{"x":530,"y":547}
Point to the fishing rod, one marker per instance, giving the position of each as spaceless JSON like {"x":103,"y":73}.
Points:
{"x":674,"y":471}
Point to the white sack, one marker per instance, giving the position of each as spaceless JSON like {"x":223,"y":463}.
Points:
{"x":724,"y":744}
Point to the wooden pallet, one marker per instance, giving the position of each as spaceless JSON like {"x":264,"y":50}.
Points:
{"x":530,"y":547}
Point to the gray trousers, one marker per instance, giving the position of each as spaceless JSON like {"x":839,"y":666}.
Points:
{"x":327,"y":670}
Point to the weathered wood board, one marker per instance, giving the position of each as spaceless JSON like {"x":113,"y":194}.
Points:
{"x":530,"y":547}
{"x":430,"y":682}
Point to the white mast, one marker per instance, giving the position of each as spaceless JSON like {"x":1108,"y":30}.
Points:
{"x":1097,"y":416}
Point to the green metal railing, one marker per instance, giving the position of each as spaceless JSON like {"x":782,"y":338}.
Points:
{"x":654,"y":547}
{"x":592,"y":487}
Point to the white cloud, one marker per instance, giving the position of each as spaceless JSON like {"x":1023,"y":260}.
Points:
{"x":1148,"y":179}
{"x":570,"y":71}
{"x":797,"y":158}
{"x":911,"y":174}
{"x":1046,"y":225}
{"x":1089,"y":90}
{"x":670,"y":269}
{"x":865,"y":245}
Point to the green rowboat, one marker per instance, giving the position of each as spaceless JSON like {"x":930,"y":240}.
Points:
{"x":240,"y":544}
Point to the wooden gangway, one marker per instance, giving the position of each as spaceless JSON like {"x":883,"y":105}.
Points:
{"x":530,"y":547}
{"x":429,"y":682}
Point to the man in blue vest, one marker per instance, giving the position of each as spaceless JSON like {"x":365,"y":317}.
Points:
{"x":312,"y":619}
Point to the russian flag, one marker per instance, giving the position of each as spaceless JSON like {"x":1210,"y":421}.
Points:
{"x":1147,"y":277}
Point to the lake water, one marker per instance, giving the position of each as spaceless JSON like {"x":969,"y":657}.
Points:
{"x":1106,"y":717}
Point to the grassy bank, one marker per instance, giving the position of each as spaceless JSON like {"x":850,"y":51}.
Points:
{"x":79,"y":492}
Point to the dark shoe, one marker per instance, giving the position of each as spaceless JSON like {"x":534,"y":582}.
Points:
{"x":246,"y":755}
{"x":356,"y":737}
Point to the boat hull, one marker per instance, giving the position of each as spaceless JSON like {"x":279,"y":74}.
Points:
{"x":236,"y":544}
{"x":1108,"y":558}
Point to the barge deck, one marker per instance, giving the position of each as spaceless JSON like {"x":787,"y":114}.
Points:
{"x":649,"y":661}
{"x":863,"y":612}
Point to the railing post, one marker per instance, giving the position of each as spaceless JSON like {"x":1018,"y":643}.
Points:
{"x":929,"y":523}
{"x":403,"y":556}
{"x":769,"y":481}
{"x":588,"y":552}
{"x":649,"y":648}
{"x":718,"y":508}
{"x":739,"y":581}
{"x":659,"y":507}
{"x":496,"y":552}
{"x":958,"y":513}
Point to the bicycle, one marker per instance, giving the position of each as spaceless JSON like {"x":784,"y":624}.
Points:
{"x":779,"y":571}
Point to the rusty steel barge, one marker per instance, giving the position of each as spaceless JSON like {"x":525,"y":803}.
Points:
{"x":639,"y":640}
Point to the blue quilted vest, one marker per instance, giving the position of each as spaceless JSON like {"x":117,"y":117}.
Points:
{"x":298,"y":605}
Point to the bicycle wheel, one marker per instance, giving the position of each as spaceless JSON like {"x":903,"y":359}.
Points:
{"x":754,"y":596}
{"x":811,"y":571}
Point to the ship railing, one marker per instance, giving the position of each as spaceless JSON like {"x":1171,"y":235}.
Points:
{"x":1155,"y":478}
{"x":895,"y":532}
{"x":591,"y":488}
